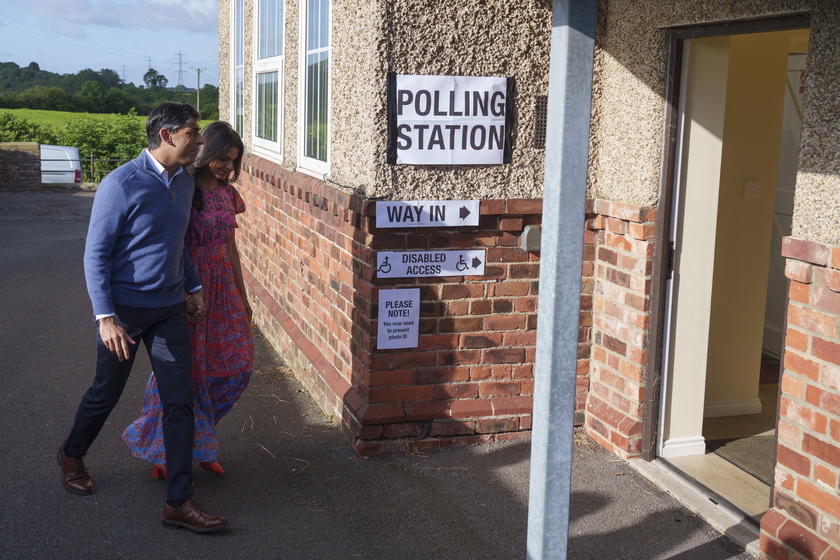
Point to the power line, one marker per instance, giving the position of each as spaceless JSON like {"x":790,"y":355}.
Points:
{"x":76,"y":43}
{"x":95,"y":46}
{"x":47,"y":33}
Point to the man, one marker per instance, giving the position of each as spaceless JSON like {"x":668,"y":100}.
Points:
{"x":138,"y":276}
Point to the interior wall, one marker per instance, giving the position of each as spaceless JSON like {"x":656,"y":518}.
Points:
{"x":774,"y":316}
{"x":752,"y":131}
{"x":706,"y":63}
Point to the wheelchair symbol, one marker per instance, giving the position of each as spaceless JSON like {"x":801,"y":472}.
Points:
{"x":461,"y":265}
{"x":385,"y":267}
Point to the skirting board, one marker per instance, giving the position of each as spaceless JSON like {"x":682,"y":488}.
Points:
{"x":773,"y":338}
{"x":683,"y":447}
{"x":736,"y":407}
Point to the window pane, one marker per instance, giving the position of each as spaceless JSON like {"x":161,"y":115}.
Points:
{"x":316,"y":87}
{"x":270,"y":28}
{"x":239,"y":100}
{"x":239,"y":32}
{"x":239,"y":66}
{"x":317,"y":113}
{"x":311,"y":24}
{"x":324,"y":21}
{"x":317,"y":24}
{"x":267,"y":96}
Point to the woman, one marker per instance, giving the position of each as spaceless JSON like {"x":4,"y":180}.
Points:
{"x":222,"y":346}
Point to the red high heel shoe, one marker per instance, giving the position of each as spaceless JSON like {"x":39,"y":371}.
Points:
{"x":213,"y":467}
{"x":159,"y":471}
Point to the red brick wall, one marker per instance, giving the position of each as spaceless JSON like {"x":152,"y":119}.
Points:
{"x":297,"y":242}
{"x":620,"y":322}
{"x":309,"y":251}
{"x":20,"y":165}
{"x":805,"y":520}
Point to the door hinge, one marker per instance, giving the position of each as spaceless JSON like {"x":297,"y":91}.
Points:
{"x":671,"y":256}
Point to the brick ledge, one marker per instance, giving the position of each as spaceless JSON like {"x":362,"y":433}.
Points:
{"x":811,"y":252}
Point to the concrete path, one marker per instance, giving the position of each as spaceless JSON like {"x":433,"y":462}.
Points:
{"x":293,"y":488}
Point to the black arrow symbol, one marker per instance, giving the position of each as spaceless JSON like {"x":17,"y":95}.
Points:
{"x":476,"y":262}
{"x":464,"y":212}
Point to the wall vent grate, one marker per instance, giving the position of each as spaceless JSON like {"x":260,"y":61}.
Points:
{"x":540,"y":118}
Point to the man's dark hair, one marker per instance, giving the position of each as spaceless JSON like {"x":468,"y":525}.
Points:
{"x":170,"y":115}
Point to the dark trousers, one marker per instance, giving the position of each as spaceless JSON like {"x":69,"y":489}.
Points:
{"x":166,"y":335}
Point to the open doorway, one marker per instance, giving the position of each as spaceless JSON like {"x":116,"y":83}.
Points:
{"x":737,"y":152}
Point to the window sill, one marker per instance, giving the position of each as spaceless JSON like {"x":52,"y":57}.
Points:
{"x":271,"y":155}
{"x":318,"y":174}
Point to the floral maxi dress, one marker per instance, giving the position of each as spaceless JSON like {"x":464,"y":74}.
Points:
{"x":222,"y":346}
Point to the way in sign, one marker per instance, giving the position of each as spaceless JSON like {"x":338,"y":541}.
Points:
{"x":426,"y":213}
{"x":404,"y":214}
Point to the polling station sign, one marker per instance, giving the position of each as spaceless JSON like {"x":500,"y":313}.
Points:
{"x":449,"y":120}
{"x":407,"y":264}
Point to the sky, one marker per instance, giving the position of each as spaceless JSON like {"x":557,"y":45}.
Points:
{"x":175,"y":37}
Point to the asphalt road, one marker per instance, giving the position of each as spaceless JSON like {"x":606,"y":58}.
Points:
{"x":293,"y":488}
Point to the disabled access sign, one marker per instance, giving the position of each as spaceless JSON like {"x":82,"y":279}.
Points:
{"x":407,"y":264}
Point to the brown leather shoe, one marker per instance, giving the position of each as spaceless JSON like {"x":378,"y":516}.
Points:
{"x":74,"y":474}
{"x":191,"y":516}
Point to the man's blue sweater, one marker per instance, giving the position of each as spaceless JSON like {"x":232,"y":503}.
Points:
{"x":134,"y":253}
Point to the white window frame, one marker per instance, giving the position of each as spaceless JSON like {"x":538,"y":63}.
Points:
{"x":237,"y":44}
{"x":306,"y":164}
{"x":270,"y":149}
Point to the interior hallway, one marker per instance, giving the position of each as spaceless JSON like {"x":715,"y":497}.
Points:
{"x":735,"y":467}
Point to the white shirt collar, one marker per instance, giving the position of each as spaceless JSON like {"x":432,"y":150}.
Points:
{"x":157,"y":166}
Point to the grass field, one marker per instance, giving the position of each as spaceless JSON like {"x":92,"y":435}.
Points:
{"x":58,"y":119}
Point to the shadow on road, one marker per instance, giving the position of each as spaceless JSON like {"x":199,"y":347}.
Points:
{"x":293,"y":488}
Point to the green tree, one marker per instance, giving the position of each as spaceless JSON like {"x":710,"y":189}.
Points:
{"x":33,"y":88}
{"x":209,"y":100}
{"x":49,"y":98}
{"x":92,"y":97}
{"x":109,"y":78}
{"x":8,"y":100}
{"x":120,"y":139}
{"x":118,"y":101}
{"x":153,"y":80}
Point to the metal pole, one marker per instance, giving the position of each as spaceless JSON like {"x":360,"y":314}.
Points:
{"x":197,"y":89}
{"x":564,"y":207}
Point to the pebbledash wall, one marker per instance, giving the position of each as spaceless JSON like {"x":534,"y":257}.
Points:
{"x":626,"y":165}
{"x":309,"y":244}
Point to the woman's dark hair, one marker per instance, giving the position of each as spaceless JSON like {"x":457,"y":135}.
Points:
{"x":170,"y":115}
{"x":219,"y":137}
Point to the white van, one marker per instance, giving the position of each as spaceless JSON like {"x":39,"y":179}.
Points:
{"x":60,"y":165}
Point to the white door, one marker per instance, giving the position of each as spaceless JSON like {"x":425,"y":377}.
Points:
{"x":729,"y":163}
{"x":774,"y":319}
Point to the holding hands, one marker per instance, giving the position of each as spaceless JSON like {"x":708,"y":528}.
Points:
{"x":195,"y":305}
